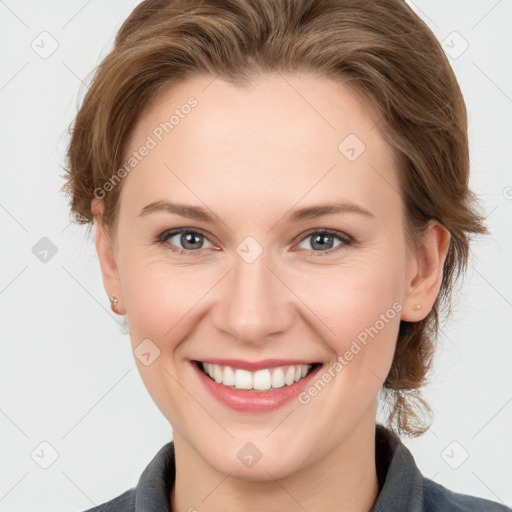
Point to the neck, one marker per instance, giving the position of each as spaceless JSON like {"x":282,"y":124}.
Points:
{"x":345,"y":479}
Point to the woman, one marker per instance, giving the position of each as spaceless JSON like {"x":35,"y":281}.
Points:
{"x":279,"y":191}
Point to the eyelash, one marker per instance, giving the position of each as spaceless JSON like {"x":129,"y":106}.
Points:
{"x":163,"y":238}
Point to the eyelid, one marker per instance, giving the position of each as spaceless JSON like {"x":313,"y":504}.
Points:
{"x":333,"y":232}
{"x":169,"y":233}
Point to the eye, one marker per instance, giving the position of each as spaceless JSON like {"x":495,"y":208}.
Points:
{"x":190,"y":240}
{"x":324,"y":239}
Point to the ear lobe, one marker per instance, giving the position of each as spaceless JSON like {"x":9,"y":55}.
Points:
{"x":427,"y":264}
{"x":106,"y":256}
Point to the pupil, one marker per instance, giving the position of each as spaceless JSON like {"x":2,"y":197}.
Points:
{"x":189,"y":239}
{"x":318,"y":240}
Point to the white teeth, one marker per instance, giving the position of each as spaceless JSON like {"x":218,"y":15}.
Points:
{"x":261,"y":380}
{"x":243,"y":378}
{"x":278,"y":378}
{"x":229,"y":376}
{"x":217,"y":373}
{"x":289,"y":377}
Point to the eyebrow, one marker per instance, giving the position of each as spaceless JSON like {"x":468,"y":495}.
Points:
{"x":306,"y":213}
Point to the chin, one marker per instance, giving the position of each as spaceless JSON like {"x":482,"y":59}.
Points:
{"x":257,"y":462}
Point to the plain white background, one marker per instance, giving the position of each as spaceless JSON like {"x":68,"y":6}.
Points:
{"x":68,"y":377}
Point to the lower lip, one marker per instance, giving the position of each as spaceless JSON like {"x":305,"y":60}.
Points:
{"x":255,"y":401}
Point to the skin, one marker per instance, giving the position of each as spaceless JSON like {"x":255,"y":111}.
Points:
{"x":251,"y":155}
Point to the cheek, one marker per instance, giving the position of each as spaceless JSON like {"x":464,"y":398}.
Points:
{"x":161,"y":303}
{"x":350,"y":300}
{"x":359,"y":307}
{"x":162,"y":300}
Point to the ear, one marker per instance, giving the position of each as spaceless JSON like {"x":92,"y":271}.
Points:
{"x":425,"y":272}
{"x":106,"y":255}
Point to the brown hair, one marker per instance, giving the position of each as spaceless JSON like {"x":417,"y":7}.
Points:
{"x":381,"y":49}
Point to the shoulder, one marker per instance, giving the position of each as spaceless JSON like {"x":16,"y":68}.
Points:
{"x":122,"y":503}
{"x":438,"y":498}
{"x":405,"y":488}
{"x":152,"y":490}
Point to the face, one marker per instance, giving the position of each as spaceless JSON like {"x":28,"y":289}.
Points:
{"x":257,"y":281}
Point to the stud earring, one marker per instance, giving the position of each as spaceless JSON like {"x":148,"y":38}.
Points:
{"x":113,"y":301}
{"x":417,"y":306}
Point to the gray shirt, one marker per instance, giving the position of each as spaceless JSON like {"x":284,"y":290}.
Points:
{"x":402,"y":486}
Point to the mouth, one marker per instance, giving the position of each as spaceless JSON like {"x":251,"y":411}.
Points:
{"x":264,"y":379}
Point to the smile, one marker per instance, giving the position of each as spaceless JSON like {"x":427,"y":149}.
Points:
{"x":264,"y":379}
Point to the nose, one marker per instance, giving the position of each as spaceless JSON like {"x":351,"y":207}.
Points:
{"x":254,"y":302}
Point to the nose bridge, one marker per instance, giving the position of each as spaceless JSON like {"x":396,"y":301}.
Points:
{"x":253,"y":303}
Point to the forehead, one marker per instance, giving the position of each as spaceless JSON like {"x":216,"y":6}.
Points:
{"x":283,"y":139}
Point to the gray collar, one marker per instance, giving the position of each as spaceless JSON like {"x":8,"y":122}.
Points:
{"x":400,"y":479}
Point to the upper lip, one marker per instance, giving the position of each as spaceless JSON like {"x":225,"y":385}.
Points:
{"x":255,"y":365}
